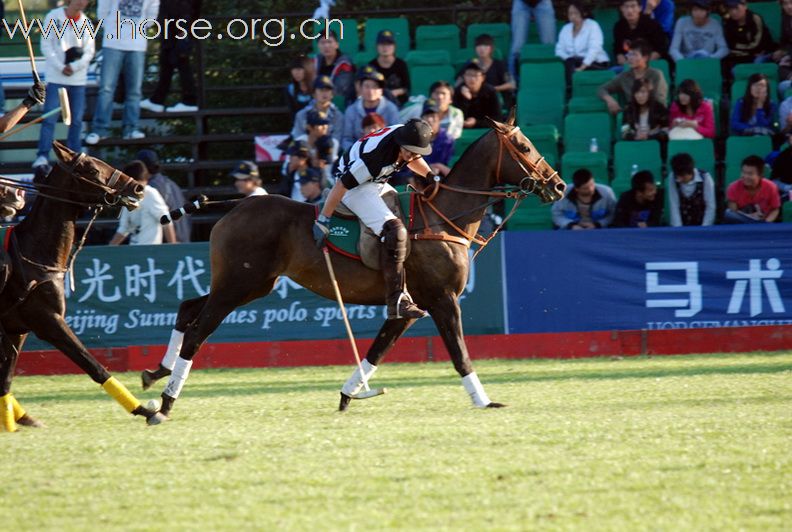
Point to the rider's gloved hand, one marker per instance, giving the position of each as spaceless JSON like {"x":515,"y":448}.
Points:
{"x":321,"y":229}
{"x":36,"y":95}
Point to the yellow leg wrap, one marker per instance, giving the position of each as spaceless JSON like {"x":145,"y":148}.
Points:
{"x":7,"y":413}
{"x":119,"y":392}
{"x":19,"y":412}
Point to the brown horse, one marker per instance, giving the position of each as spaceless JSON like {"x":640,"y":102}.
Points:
{"x":266,"y":237}
{"x":33,"y":298}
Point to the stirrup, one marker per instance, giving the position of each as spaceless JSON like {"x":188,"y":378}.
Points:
{"x":404,"y":307}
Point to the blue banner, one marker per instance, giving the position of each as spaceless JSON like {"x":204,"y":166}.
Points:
{"x":664,"y":278}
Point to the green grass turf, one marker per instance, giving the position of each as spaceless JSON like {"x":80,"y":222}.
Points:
{"x":664,"y":443}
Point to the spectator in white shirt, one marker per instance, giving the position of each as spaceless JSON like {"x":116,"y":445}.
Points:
{"x":142,"y":225}
{"x":580,"y":42}
{"x":247,"y":180}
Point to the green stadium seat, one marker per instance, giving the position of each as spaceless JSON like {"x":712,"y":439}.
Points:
{"x":702,"y":151}
{"x":738,"y":90}
{"x":398,"y":25}
{"x":437,"y":37}
{"x":363,"y":58}
{"x":540,"y":106}
{"x":743,"y":72}
{"x":786,"y":212}
{"x":738,"y":148}
{"x":461,"y":56}
{"x":579,"y":129}
{"x":640,"y":154}
{"x":538,"y":53}
{"x":706,"y":72}
{"x":771,"y":13}
{"x":499,"y":31}
{"x":545,"y":139}
{"x":607,"y":19}
{"x":662,"y":66}
{"x":428,"y":58}
{"x":587,"y":104}
{"x":339,"y":100}
{"x":348,"y":37}
{"x":586,"y":82}
{"x":531,"y":215}
{"x":422,"y":77}
{"x":543,"y":76}
{"x":468,"y":137}
{"x":596,"y":163}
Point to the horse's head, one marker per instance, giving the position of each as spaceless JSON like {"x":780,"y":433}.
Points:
{"x":94,"y":182}
{"x":523,"y":165}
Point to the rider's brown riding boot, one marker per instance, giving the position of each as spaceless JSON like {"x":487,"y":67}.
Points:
{"x":392,"y":255}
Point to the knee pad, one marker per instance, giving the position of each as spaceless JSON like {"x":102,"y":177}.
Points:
{"x":394,"y":236}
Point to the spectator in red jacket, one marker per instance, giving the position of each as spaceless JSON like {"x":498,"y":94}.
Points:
{"x":692,"y":116}
{"x":752,"y":198}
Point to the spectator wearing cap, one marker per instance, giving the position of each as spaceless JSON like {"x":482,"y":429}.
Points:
{"x":310,"y":188}
{"x":580,"y":42}
{"x":372,"y":122}
{"x":698,"y":35}
{"x":142,"y":225}
{"x":392,"y":68}
{"x":371,"y":85}
{"x":322,"y":102}
{"x":496,"y":72}
{"x":317,"y":129}
{"x":623,"y":84}
{"x":169,"y":190}
{"x":247,"y":180}
{"x":634,"y":25}
{"x":332,"y":63}
{"x":298,"y":91}
{"x":476,"y":98}
{"x":326,"y":156}
{"x":442,"y":143}
{"x":746,"y":34}
{"x":299,"y":158}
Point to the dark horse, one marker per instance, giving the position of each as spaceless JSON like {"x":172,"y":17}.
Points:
{"x":33,"y":297}
{"x":266,"y":237}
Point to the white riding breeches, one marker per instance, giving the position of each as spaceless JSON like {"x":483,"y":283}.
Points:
{"x":365,"y":200}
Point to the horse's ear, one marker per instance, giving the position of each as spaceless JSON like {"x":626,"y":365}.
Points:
{"x":512,"y":113}
{"x":64,"y":154}
{"x":494,"y":124}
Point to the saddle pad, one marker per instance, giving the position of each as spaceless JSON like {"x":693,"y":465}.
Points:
{"x":5,"y":237}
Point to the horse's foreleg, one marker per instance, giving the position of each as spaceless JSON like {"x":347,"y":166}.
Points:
{"x":386,"y":338}
{"x":11,"y":347}
{"x":448,"y":317}
{"x":54,"y":330}
{"x":188,"y":312}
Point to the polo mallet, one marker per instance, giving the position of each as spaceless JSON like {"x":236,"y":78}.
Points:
{"x":29,"y":43}
{"x":368,"y":391}
{"x":64,"y":110}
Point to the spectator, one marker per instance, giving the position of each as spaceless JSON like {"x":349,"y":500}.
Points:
{"x":587,"y":205}
{"x":392,"y":68}
{"x":476,"y":98}
{"x":317,"y":125}
{"x":785,"y":115}
{"x":174,"y":55}
{"x":326,"y":156}
{"x":247,"y":180}
{"x":638,"y":57}
{"x":66,"y":67}
{"x":634,"y":25}
{"x":783,"y":56}
{"x":522,"y":12}
{"x":691,"y":193}
{"x":698,"y":35}
{"x":641,"y":206}
{"x":752,"y":198}
{"x":322,"y":102}
{"x":299,"y":90}
{"x":755,"y":113}
{"x":142,"y":225}
{"x":371,"y":100}
{"x":496,"y":72}
{"x":332,"y":63}
{"x":747,"y":36}
{"x":169,"y":190}
{"x":310,"y":186}
{"x":692,"y":116}
{"x":299,"y":160}
{"x":662,"y":11}
{"x":125,"y":51}
{"x":442,"y":143}
{"x":782,"y":170}
{"x":452,"y":119}
{"x":372,"y":122}
{"x":580,"y":42}
{"x":644,"y":118}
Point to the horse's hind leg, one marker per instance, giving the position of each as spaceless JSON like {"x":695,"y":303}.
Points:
{"x":386,"y":338}
{"x":9,"y":354}
{"x":188,"y":312}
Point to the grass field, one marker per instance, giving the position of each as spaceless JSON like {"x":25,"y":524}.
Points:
{"x":664,"y":443}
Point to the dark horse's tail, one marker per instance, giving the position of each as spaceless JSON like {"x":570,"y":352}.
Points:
{"x":191,"y":207}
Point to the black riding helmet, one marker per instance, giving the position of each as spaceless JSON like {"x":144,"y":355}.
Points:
{"x":415,"y":136}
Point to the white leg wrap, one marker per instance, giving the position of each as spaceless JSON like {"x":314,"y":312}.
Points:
{"x":476,"y":391}
{"x":354,"y":384}
{"x":181,"y":370}
{"x":174,"y":347}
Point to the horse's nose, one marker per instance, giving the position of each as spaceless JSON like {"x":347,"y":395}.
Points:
{"x":138,"y":189}
{"x":560,"y":187}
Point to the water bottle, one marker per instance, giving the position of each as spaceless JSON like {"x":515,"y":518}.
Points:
{"x":593,"y":148}
{"x":634,"y":169}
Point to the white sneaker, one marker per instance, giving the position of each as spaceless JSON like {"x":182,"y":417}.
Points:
{"x":151,"y":106}
{"x":40,"y":161}
{"x":92,"y":139}
{"x":135,"y":134}
{"x":181,"y":108}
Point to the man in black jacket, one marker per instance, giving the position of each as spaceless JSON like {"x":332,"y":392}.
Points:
{"x":746,"y":34}
{"x":635,"y":25}
{"x":641,"y":206}
{"x":476,"y":98}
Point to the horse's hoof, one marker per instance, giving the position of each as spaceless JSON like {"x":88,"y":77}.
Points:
{"x":344,"y":404}
{"x":496,"y":405}
{"x":156,"y":419}
{"x":27,"y":421}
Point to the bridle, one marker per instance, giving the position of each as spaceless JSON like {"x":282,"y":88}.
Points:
{"x":528,"y":185}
